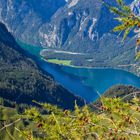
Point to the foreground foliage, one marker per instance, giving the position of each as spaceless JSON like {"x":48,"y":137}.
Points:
{"x":114,"y":119}
{"x":128,"y":20}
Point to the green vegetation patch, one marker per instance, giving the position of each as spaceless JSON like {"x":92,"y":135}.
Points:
{"x":60,"y":62}
{"x":113,"y":119}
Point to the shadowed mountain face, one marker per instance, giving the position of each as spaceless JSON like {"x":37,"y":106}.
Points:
{"x":44,"y":8}
{"x":22,"y":81}
{"x":25,"y":17}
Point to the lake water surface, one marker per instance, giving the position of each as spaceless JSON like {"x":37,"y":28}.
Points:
{"x":85,"y":82}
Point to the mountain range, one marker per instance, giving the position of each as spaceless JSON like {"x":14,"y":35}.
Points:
{"x":53,"y":23}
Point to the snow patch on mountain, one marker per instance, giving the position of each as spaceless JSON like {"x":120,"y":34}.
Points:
{"x":91,"y":32}
{"x":73,"y":3}
{"x":50,"y":37}
{"x":70,"y":13}
{"x":83,"y":22}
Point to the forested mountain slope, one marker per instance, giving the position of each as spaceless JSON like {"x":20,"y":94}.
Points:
{"x":22,"y":81}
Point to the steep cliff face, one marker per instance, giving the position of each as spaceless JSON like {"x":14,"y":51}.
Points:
{"x":25,"y":17}
{"x":22,"y":81}
{"x":77,"y":20}
{"x":60,"y":23}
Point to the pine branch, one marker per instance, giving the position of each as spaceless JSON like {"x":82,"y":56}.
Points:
{"x":8,"y":125}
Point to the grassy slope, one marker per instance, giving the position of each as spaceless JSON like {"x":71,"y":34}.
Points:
{"x":8,"y":113}
{"x":5,"y":114}
{"x":115,"y":120}
{"x":60,"y":62}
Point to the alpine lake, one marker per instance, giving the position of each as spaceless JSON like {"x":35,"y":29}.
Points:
{"x":87,"y":83}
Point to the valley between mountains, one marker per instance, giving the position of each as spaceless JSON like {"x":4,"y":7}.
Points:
{"x":65,"y":74}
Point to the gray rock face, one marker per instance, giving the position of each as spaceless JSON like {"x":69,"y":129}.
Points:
{"x":54,"y":23}
{"x":25,"y":17}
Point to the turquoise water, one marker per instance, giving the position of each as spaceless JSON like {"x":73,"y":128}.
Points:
{"x":34,"y":50}
{"x":84,"y":82}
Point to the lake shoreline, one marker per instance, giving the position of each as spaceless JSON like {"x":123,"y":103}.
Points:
{"x":96,"y":79}
{"x":38,"y":48}
{"x":86,"y":67}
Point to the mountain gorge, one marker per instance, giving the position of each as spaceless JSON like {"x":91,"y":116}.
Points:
{"x":21,"y":80}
